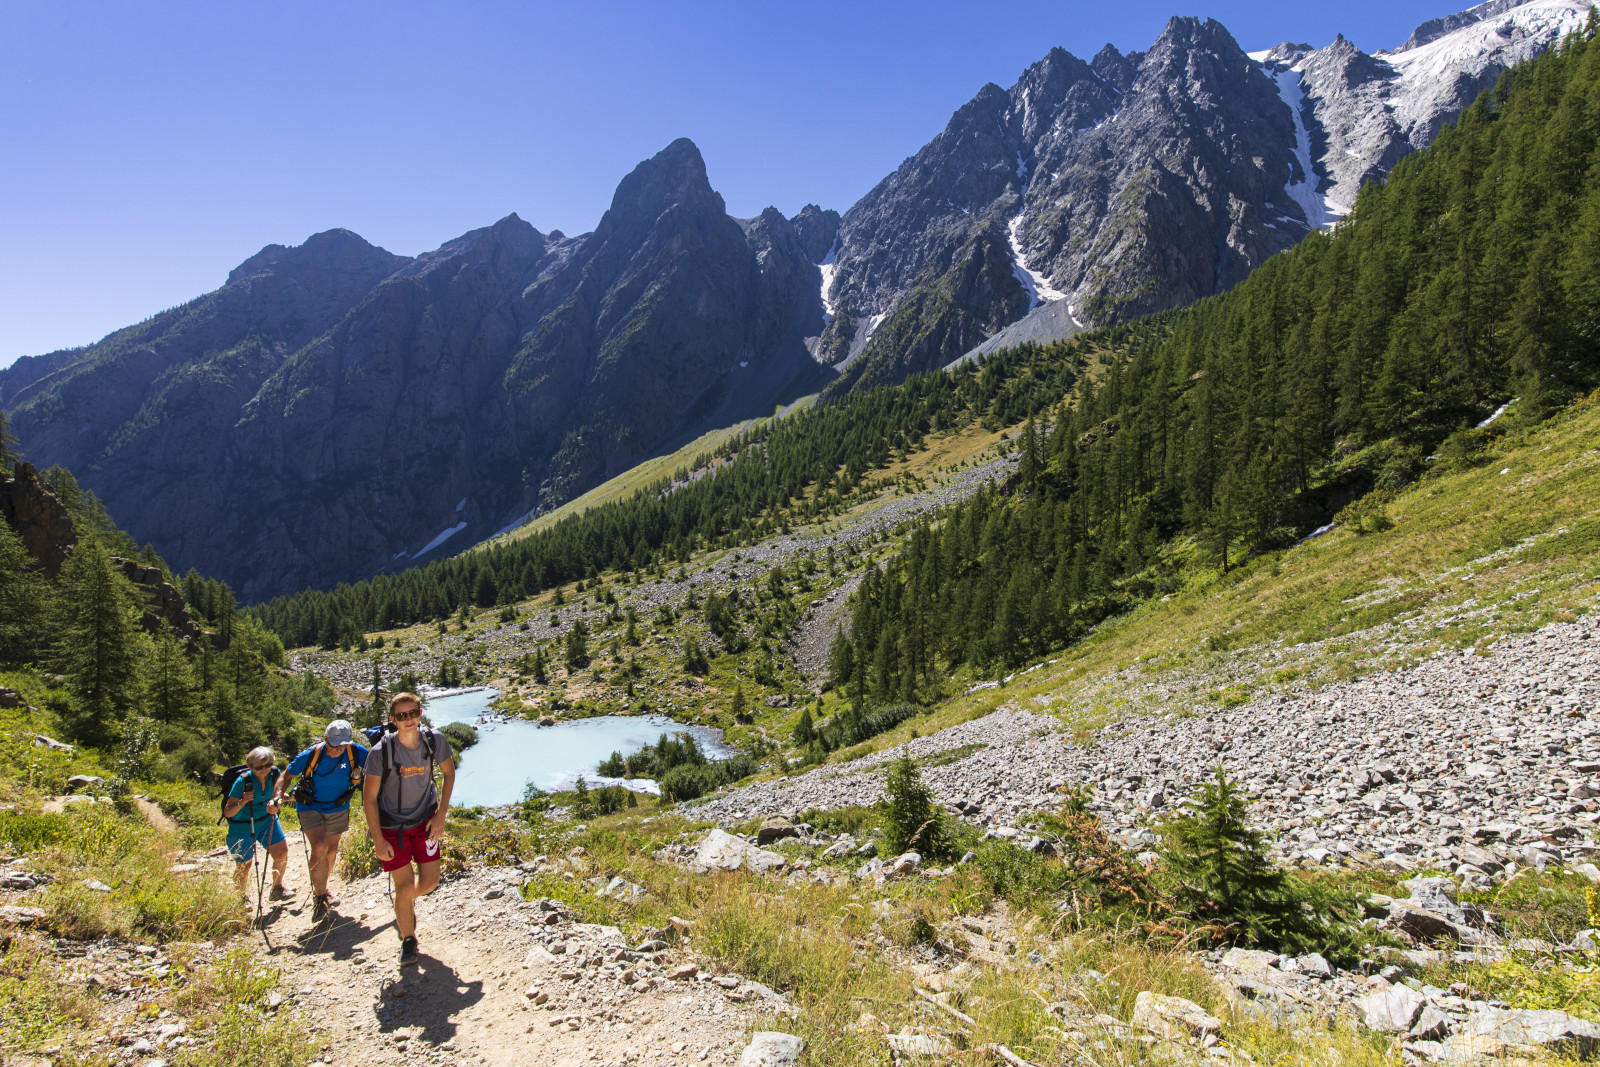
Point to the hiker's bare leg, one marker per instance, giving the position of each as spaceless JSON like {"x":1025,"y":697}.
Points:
{"x":280,"y":861}
{"x":329,"y":860}
{"x":318,"y":839}
{"x":405,"y":895}
{"x":428,"y":879}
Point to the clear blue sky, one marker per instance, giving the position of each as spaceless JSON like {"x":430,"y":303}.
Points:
{"x":151,"y":146}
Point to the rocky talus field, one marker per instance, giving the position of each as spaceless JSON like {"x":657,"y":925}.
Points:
{"x":1478,"y":763}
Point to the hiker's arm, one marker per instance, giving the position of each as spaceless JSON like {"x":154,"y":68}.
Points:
{"x":369,"y":807}
{"x":231,"y":806}
{"x":436,"y":824}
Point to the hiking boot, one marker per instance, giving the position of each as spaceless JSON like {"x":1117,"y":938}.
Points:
{"x":280,"y":892}
{"x":408,"y":952}
{"x":319,"y":908}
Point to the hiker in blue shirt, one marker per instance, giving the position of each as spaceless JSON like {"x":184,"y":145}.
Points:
{"x":329,"y":773}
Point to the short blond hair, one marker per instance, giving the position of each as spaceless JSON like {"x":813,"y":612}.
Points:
{"x":401,"y":698}
{"x":260,"y":756}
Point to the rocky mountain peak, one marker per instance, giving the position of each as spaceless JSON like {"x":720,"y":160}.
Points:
{"x":330,"y":250}
{"x":1433,"y":29}
{"x":1117,"y":69}
{"x":817,"y":230}
{"x":673,"y":177}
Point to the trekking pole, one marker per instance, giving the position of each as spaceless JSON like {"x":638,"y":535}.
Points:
{"x":259,"y":860}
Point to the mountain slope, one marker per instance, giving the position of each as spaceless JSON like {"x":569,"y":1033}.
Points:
{"x":312,"y":422}
{"x":1136,"y":183}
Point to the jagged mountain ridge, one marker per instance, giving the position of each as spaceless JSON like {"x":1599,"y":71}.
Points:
{"x":334,"y":409}
{"x":1134,"y":183}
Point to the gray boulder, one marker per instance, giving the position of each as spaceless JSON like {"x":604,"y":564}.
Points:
{"x":1391,"y":1011}
{"x":769,"y":1048}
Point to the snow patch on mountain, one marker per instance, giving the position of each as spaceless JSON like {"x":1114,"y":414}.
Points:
{"x":444,"y":536}
{"x":1427,"y":73}
{"x":1320,"y":212}
{"x":1036,"y":285}
{"x":827,"y":267}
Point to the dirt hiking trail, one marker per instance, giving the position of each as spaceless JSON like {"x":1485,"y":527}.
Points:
{"x":500,"y":981}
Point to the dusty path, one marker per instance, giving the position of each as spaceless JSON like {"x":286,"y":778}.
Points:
{"x":484,"y":950}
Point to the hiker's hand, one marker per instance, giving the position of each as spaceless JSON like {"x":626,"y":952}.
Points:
{"x":436,"y":825}
{"x":382,"y":849}
{"x":273,"y":806}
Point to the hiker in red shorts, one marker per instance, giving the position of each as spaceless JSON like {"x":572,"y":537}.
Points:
{"x":400,"y":799}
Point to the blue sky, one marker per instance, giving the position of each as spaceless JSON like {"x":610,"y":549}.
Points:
{"x":150,"y":147}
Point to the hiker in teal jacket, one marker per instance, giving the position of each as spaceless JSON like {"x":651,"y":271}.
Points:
{"x":252,"y":813}
{"x":330,"y":774}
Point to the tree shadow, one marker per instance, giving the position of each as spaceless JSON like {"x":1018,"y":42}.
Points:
{"x":430,"y":997}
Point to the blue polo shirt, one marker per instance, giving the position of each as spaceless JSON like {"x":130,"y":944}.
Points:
{"x":330,"y":780}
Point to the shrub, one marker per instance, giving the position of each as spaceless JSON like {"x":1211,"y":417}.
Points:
{"x":1222,"y":879}
{"x":912,"y":821}
{"x":462,"y":735}
{"x":356,"y":857}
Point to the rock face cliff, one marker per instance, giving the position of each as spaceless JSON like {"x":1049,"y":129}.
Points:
{"x":1134,"y":183}
{"x":334,"y":410}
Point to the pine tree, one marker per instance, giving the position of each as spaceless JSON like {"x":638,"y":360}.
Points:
{"x":738,"y":708}
{"x":96,"y":644}
{"x":804,"y":730}
{"x":10,"y":452}
{"x":541,"y":669}
{"x":168,"y":680}
{"x":694,"y":658}
{"x":913,"y":822}
{"x":22,"y":599}
{"x":577,"y":652}
{"x":376,"y":711}
{"x":1224,"y":879}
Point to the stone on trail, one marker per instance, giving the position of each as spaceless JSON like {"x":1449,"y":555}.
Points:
{"x":721,"y":851}
{"x":1392,"y":1010}
{"x":1173,"y":1017}
{"x":769,"y":1048}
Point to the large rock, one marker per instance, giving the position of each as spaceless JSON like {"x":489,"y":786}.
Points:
{"x":769,"y":1048}
{"x":721,"y":851}
{"x":39,"y":518}
{"x":1392,"y":1010}
{"x":776,"y":828}
{"x":1547,"y":1029}
{"x":1173,"y":1017}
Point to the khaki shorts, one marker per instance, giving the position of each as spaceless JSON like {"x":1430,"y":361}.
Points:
{"x":330,"y":822}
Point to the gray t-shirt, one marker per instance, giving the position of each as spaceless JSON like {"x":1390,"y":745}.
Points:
{"x":409,"y":794}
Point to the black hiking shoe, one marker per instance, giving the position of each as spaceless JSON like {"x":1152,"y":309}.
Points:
{"x":408,"y":952}
{"x":319,"y":908}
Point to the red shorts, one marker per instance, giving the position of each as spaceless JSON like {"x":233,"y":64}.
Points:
{"x":410,"y":845}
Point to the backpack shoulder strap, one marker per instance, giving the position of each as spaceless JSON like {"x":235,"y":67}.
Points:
{"x":316,"y":754}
